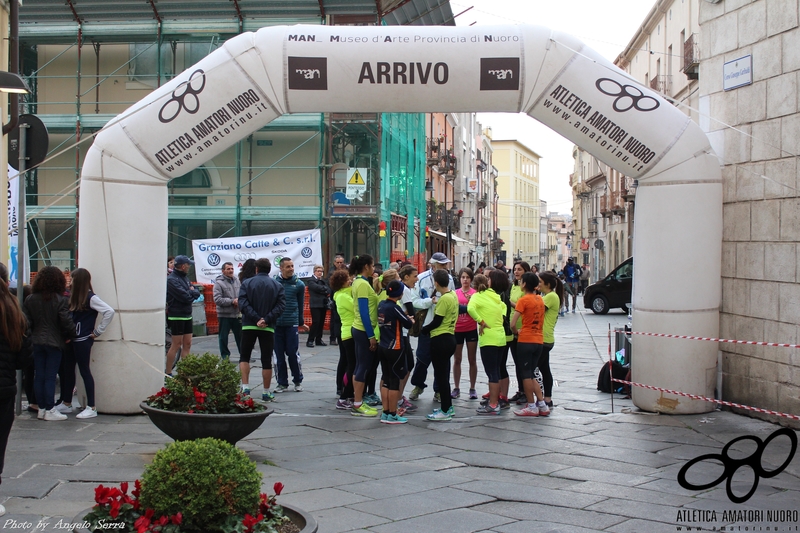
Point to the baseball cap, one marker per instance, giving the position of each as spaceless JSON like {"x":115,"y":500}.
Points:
{"x":183,"y":260}
{"x":440,"y":258}
{"x":395,"y":289}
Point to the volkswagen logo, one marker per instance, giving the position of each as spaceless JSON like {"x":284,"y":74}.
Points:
{"x":213,"y":260}
{"x":244,"y":256}
{"x":306,"y":252}
{"x":627,"y":96}
{"x":184,"y":97}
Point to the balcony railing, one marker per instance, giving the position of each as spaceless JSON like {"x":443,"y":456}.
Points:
{"x":617,"y":202}
{"x":604,"y":208}
{"x":662,"y":83}
{"x":691,"y":57}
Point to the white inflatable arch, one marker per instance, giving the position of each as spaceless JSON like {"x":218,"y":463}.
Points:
{"x":256,"y":77}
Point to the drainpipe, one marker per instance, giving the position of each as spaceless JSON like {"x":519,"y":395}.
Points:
{"x":13,"y":66}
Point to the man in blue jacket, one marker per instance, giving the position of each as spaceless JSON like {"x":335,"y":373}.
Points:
{"x":180,"y":295}
{"x":262,"y":301}
{"x":287,"y":340}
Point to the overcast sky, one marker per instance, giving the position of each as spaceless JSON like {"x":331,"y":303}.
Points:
{"x":605,"y":25}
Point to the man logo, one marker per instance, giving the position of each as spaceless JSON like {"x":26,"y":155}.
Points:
{"x":306,"y":252}
{"x":308,"y":73}
{"x":213,"y":260}
{"x":500,"y":74}
{"x":277,"y":260}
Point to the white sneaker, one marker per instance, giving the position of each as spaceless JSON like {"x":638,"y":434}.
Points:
{"x":298,"y":388}
{"x":62,"y":408}
{"x":2,"y":510}
{"x":89,"y":412}
{"x":40,"y":415}
{"x":53,"y":414}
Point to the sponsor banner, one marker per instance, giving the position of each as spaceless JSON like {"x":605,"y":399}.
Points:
{"x":198,"y":115}
{"x":362,"y":69}
{"x":302,"y":247}
{"x":13,"y":228}
{"x":596,"y":106}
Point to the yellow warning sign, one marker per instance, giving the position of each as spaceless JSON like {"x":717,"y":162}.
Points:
{"x":356,"y":178}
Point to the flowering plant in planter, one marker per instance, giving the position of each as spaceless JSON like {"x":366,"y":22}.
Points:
{"x":203,"y":485}
{"x":204,"y":384}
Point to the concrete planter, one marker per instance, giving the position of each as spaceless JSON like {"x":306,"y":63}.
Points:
{"x":304,"y":521}
{"x":190,"y":426}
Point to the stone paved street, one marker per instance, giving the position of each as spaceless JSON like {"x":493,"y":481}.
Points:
{"x":581,"y":469}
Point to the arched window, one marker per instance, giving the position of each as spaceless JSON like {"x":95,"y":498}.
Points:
{"x":196,"y":179}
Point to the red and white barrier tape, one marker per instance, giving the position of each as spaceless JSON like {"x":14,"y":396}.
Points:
{"x":713,"y":400}
{"x":730,"y":341}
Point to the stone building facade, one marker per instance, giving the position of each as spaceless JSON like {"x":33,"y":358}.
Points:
{"x":755,"y":130}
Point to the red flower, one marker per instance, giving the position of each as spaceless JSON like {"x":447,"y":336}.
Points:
{"x":278,"y":488}
{"x":104,"y":495}
{"x":116,"y":505}
{"x":137,"y":488}
{"x":248,"y":522}
{"x":124,"y":487}
{"x":199,"y":397}
{"x":163,"y":521}
{"x":163,"y":392}
{"x":176,"y":519}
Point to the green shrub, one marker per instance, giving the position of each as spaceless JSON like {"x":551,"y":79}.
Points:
{"x":206,"y":480}
{"x":203,"y":384}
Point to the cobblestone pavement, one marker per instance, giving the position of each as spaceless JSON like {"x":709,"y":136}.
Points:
{"x":582,"y":469}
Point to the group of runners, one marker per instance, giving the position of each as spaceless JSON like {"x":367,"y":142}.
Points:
{"x":487,"y":311}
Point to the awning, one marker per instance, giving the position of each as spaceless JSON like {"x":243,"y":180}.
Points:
{"x":456,"y":239}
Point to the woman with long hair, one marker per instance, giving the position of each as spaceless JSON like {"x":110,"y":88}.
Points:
{"x":248,"y":270}
{"x":84,"y":307}
{"x":47,"y":311}
{"x":529,"y":314}
{"x":466,"y":333}
{"x":15,"y":354}
{"x":379,"y":284}
{"x":343,"y":296}
{"x":520,"y":268}
{"x":488,"y":310}
{"x":364,"y":329}
{"x":552,"y":295}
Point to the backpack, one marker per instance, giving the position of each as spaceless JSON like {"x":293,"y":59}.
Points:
{"x":604,"y":381}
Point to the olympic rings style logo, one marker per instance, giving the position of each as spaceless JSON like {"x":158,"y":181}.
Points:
{"x":628,"y":96}
{"x":244,"y":256}
{"x":184,"y":97}
{"x":732,"y":465}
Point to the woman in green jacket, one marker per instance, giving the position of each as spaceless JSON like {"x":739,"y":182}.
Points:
{"x":488,"y":311}
{"x":343,"y":296}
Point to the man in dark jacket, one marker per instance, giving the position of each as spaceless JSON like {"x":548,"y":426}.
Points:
{"x":180,"y":295}
{"x":319,"y":292}
{"x":226,"y":296}
{"x":262,"y":301}
{"x":287,"y":340}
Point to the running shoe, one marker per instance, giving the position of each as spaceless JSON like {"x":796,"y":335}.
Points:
{"x":401,"y":411}
{"x":488,"y":410}
{"x":437,"y":397}
{"x":573,"y":310}
{"x":394,"y":419}
{"x":298,"y":388}
{"x":246,"y":391}
{"x":281,"y":388}
{"x":439,"y":416}
{"x":87,"y":413}
{"x":267,"y":396}
{"x":549,"y":404}
{"x":485,"y":396}
{"x":405,"y":404}
{"x":517,"y":396}
{"x":415,"y":392}
{"x":455,"y":393}
{"x":385,"y":417}
{"x":363,"y":410}
{"x":473,"y":394}
{"x":343,"y":404}
{"x":62,"y":408}
{"x":504,"y":404}
{"x":372,"y":399}
{"x":527,"y":411}
{"x":543,"y":409}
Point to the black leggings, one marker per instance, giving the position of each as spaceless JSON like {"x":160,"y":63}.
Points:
{"x":544,"y":368}
{"x":348,"y":348}
{"x":80,"y":353}
{"x":393,"y":367}
{"x":442,"y":349}
{"x":504,"y":362}
{"x":513,"y":346}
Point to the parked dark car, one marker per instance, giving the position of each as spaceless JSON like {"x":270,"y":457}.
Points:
{"x":613,"y":291}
